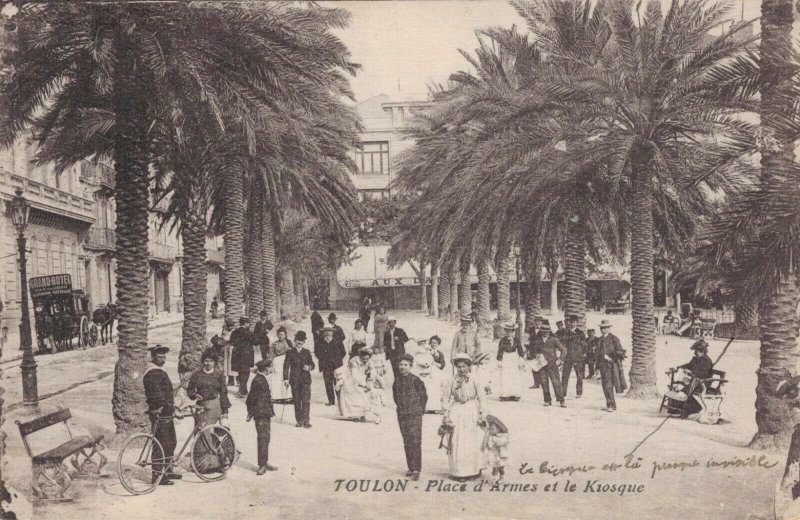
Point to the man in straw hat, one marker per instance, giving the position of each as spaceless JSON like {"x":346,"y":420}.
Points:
{"x":411,"y":398}
{"x":466,"y":340}
{"x":552,"y":349}
{"x":608,"y":351}
{"x":160,"y":405}
{"x":259,"y":409}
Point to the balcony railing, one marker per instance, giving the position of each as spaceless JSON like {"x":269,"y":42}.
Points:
{"x":101,"y":239}
{"x":98,"y":174}
{"x":162,"y":251}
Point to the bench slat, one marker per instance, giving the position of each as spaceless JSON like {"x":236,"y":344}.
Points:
{"x":44,"y":421}
{"x":60,"y":453}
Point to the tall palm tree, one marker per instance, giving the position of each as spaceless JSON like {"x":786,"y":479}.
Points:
{"x":503,"y":267}
{"x":484,"y":297}
{"x":91,"y":79}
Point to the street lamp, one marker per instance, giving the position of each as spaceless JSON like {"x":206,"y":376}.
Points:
{"x":519,"y":287}
{"x":20,"y":210}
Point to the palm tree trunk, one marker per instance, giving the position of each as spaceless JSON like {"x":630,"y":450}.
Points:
{"x":434,"y":309}
{"x":778,"y":324}
{"x":503,"y":267}
{"x":484,"y":298}
{"x":287,"y":292}
{"x":306,"y":296}
{"x":299,"y":305}
{"x":278,"y":302}
{"x":745,"y":316}
{"x":255,"y":260}
{"x":643,"y":350}
{"x":423,"y":287}
{"x":465,"y":294}
{"x":533,"y":296}
{"x":554,"y":295}
{"x":575,"y":274}
{"x":131,"y":152}
{"x":234,"y":246}
{"x":268,"y":257}
{"x":195,"y":281}
{"x":455,"y":279}
{"x":444,"y":296}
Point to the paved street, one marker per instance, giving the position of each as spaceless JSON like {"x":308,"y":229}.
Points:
{"x":580,"y":435}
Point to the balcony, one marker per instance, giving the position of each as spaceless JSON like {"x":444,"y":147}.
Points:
{"x":101,"y":239}
{"x":98,"y":174}
{"x":162,"y":252}
{"x":215,"y":256}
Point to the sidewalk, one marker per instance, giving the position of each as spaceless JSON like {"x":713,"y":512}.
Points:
{"x":12,"y":352}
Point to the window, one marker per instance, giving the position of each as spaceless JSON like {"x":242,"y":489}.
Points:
{"x":373,"y":158}
{"x":373,"y":194}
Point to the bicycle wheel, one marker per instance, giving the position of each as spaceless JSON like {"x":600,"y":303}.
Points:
{"x":135,"y":464}
{"x":213,"y":452}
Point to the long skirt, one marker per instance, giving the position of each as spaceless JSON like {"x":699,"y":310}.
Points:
{"x":433,"y":387}
{"x":353,"y":400}
{"x":509,"y":377}
{"x":380,"y":330}
{"x":275,"y":379}
{"x":465,"y":456}
{"x":211,"y":413}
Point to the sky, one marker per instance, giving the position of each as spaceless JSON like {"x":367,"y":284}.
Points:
{"x":403,"y":46}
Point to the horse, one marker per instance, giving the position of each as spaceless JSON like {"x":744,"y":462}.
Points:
{"x":104,"y":317}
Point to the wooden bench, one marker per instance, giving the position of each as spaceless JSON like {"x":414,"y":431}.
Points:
{"x":49,"y":476}
{"x":616,"y":308}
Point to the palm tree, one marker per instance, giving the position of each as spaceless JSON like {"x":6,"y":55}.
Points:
{"x":484,"y":297}
{"x":503,"y":267}
{"x":91,"y":78}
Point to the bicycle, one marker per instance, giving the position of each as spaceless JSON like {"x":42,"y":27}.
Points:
{"x":212,"y":453}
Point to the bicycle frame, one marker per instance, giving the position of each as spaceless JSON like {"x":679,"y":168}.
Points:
{"x":178,"y":457}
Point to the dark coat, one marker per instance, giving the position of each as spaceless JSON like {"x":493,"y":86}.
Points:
{"x":338,"y":333}
{"x":507,"y":346}
{"x":260,"y":333}
{"x":399,"y":343}
{"x":293,"y":366}
{"x":158,"y":391}
{"x":330,"y":355}
{"x":409,"y":395}
{"x":700,"y":367}
{"x":259,"y":399}
{"x":608,"y":346}
{"x":317,"y":323}
{"x":575,"y":343}
{"x":550,"y":347}
{"x":204,"y":387}
{"x":534,"y":346}
{"x":242,"y":357}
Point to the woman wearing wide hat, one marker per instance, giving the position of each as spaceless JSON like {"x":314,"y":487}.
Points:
{"x":510,"y":360}
{"x":463,"y":403}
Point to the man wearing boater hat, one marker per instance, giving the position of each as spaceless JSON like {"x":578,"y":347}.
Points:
{"x":466,"y":340}
{"x":160,"y":404}
{"x":608,"y":351}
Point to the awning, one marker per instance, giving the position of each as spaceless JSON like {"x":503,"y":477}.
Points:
{"x":368,"y":269}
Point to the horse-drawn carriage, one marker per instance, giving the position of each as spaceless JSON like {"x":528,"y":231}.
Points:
{"x":61,"y":314}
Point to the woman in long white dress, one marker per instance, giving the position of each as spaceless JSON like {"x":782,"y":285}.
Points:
{"x":354,"y":399}
{"x":357,"y":337}
{"x":463,"y":403}
{"x":428,"y":365}
{"x":510,"y":358}
{"x":277,"y":353}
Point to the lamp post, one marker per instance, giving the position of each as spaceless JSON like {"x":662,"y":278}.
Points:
{"x":519,"y":287}
{"x":20,"y":209}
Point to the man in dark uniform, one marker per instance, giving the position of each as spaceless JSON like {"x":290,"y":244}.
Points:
{"x":297,"y":369}
{"x":330,"y":354}
{"x":591,"y":342}
{"x":160,"y":403}
{"x":551,"y":348}
{"x":394,"y":343}
{"x":259,"y":409}
{"x":575,"y":343}
{"x":261,"y":334}
{"x":534,"y":347}
{"x":243,"y":356}
{"x":560,"y":330}
{"x":607,"y":350}
{"x":338,"y":332}
{"x":317,"y":324}
{"x":411,"y":398}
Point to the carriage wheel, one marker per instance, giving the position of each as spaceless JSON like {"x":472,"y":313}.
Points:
{"x":85,"y":338}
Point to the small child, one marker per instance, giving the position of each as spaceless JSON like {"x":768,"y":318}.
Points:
{"x":495,"y":446}
{"x":376,"y":399}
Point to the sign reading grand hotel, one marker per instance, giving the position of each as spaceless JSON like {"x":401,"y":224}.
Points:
{"x":50,"y":285}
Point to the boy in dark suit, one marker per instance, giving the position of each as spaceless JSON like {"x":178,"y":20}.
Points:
{"x":297,"y":369}
{"x":259,"y":409}
{"x":411,"y":398}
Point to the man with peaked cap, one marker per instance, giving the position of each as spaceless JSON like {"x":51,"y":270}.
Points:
{"x":259,"y":409}
{"x":466,"y":340}
{"x":552,"y":349}
{"x":411,"y":399}
{"x":575,"y":342}
{"x":242,"y":357}
{"x":608,"y":351}
{"x":160,"y":404}
{"x":394,"y":344}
